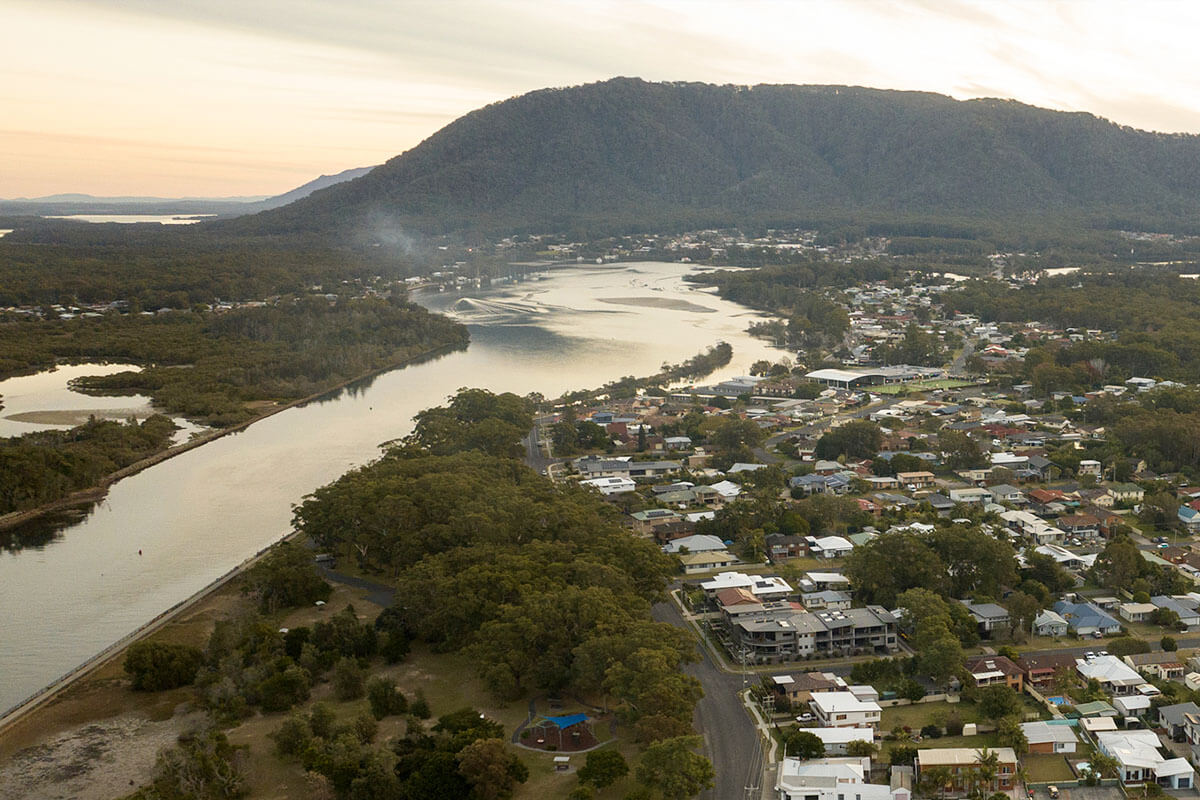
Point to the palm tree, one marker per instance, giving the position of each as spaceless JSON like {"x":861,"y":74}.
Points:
{"x":989,"y":767}
{"x":1105,"y":765}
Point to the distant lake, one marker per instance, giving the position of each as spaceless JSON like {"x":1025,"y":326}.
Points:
{"x":165,"y":219}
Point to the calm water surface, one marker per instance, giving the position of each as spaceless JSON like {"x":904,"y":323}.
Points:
{"x":68,"y":592}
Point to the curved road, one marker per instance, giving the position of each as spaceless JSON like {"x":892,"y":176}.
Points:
{"x":730,"y":738}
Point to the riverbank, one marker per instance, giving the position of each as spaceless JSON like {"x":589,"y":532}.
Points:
{"x":94,"y":494}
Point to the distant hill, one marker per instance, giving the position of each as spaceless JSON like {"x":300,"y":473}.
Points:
{"x":60,"y":204}
{"x":304,"y":191}
{"x":628,"y":154}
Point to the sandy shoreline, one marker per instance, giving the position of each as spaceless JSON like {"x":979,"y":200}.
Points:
{"x":79,"y":416}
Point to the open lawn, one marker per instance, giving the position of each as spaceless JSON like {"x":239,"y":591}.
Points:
{"x":1047,"y":767}
{"x":974,"y":742}
{"x":919,"y":715}
{"x":919,"y":386}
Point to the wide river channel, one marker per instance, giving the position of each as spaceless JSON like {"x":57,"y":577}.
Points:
{"x":82,"y":586}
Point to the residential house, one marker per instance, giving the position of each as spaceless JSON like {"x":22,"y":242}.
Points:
{"x":829,"y":546}
{"x":844,"y":710}
{"x":915,"y":480}
{"x":1137,"y":752}
{"x":696,"y":543}
{"x":836,"y":739}
{"x":1089,"y":466}
{"x":1184,"y":607}
{"x":764,"y":587}
{"x":1115,"y":676}
{"x":1132,"y":705}
{"x":962,"y":762}
{"x":1190,"y":518}
{"x":706,"y":561}
{"x":607,"y":486}
{"x":989,"y":616}
{"x":1126,"y":493}
{"x":996,"y":671}
{"x":781,"y":547}
{"x":1005,"y":493}
{"x":1165,"y":665}
{"x":798,"y":687}
{"x":821,"y":483}
{"x":828,"y":600}
{"x":1079,"y":525}
{"x":832,"y":779}
{"x":1175,"y":719}
{"x":650,"y":520}
{"x":941,"y":504}
{"x":1049,"y":623}
{"x":1087,"y":619}
{"x":1046,"y":737}
{"x":971,"y":495}
{"x":1136,"y":612}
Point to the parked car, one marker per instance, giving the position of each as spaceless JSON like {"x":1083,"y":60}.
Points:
{"x":806,"y":717}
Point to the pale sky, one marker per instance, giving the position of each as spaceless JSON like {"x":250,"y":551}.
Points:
{"x":254,"y":97}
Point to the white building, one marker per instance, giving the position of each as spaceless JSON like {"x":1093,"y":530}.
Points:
{"x":836,"y":739}
{"x":1137,"y":752}
{"x":832,"y":779}
{"x":844,"y":710}
{"x":1115,"y":676}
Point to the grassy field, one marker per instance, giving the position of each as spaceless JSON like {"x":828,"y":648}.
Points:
{"x":919,"y":715}
{"x":919,"y":386}
{"x":974,"y":742}
{"x":1047,"y":767}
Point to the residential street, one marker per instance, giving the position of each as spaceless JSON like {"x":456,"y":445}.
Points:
{"x":730,"y":738}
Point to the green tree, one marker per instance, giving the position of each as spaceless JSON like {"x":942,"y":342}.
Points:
{"x":673,"y":768}
{"x":861,"y":748}
{"x":804,"y":744}
{"x":960,"y":451}
{"x":154,"y":666}
{"x":492,"y":771}
{"x":385,"y":699}
{"x":855,"y":439}
{"x":997,"y":702}
{"x":348,"y":680}
{"x":285,"y":577}
{"x":603,"y":768}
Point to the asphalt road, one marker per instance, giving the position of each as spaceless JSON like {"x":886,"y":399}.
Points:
{"x":730,"y":739}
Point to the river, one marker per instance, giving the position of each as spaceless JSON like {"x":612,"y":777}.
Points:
{"x":69,"y":591}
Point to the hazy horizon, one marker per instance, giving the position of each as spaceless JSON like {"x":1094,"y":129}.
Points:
{"x":222,"y":98}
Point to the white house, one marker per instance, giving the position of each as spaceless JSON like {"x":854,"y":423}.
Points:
{"x":1115,"y":676}
{"x":607,"y":486}
{"x":829,"y":546}
{"x":844,"y":710}
{"x":832,"y":779}
{"x":836,"y":739}
{"x":1133,"y":705}
{"x":1141,"y":762}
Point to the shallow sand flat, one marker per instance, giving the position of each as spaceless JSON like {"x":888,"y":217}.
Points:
{"x":79,"y":416}
{"x":658,"y":302}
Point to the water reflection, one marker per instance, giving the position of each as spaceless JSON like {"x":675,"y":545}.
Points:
{"x":196,"y":516}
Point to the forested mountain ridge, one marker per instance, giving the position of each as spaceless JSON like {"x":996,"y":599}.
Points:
{"x":628,"y":154}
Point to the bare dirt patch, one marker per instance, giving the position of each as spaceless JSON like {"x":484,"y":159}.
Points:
{"x":94,"y":761}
